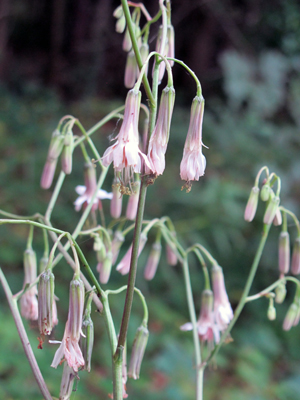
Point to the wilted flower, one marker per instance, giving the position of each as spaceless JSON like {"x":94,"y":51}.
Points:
{"x":160,"y":136}
{"x":47,"y":316}
{"x":207,"y":327}
{"x":124,"y":265}
{"x":67,"y":382}
{"x":69,"y":347}
{"x":222,"y":308}
{"x":125,"y":153}
{"x":193,"y":162}
{"x":137,"y":352}
{"x":86,"y":192}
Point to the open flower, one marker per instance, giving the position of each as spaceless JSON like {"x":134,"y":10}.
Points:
{"x":207,"y":328}
{"x":222,"y":308}
{"x":125,"y":153}
{"x":193,"y":162}
{"x":86,"y":192}
{"x":160,"y":136}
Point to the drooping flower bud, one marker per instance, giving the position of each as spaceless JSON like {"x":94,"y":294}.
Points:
{"x":160,"y":136}
{"x":278,"y":218}
{"x":144,"y":50}
{"x":193,"y":162}
{"x":280,"y":293}
{"x":127,"y":45}
{"x":295,"y":268}
{"x":55,"y":148}
{"x":284,"y":252}
{"x":43,"y":264}
{"x":133,"y":201}
{"x":170,"y":252}
{"x":137,"y":352}
{"x":265,"y":192}
{"x":87,"y":341}
{"x":67,"y":382}
{"x":124,"y":265}
{"x":271,"y":310}
{"x":28,"y":302}
{"x":161,"y":47}
{"x":271,"y":210}
{"x":67,"y":153}
{"x":251,"y":206}
{"x":116,"y":201}
{"x":171,"y":44}
{"x":116,"y":244}
{"x":104,"y":268}
{"x":131,"y":70}
{"x":45,"y":302}
{"x":290,"y":317}
{"x":153,"y":261}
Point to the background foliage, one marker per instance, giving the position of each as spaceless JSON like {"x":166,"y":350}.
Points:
{"x":248,"y":62}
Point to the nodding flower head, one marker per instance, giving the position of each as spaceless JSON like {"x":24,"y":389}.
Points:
{"x":222,"y":308}
{"x":193,"y":162}
{"x":125,"y":154}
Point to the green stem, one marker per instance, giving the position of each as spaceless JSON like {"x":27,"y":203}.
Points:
{"x":191,"y":72}
{"x":136,"y":50}
{"x":54,"y":196}
{"x":24,"y":338}
{"x":133,"y":268}
{"x":190,"y":301}
{"x":272,"y":287}
{"x":246,"y":291}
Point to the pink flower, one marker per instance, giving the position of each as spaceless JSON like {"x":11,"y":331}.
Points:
{"x":160,"y":136}
{"x":222,"y":308}
{"x":69,"y":348}
{"x":207,"y":328}
{"x":125,"y":153}
{"x":86,"y":192}
{"x":193,"y":162}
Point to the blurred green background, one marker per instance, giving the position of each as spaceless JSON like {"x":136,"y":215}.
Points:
{"x":60,"y":58}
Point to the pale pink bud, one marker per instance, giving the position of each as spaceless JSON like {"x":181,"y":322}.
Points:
{"x":153,"y":261}
{"x":116,"y":244}
{"x":124,"y":265}
{"x":271,"y":210}
{"x":160,"y":136}
{"x":56,"y":145}
{"x":171,"y":252}
{"x":137,"y":352}
{"x":171,"y":44}
{"x":278,"y":218}
{"x":133,"y":202}
{"x":131,"y":69}
{"x":161,"y":48}
{"x":126,"y":46}
{"x":118,"y":12}
{"x":193,"y":162}
{"x":121,"y":24}
{"x":116,"y":201}
{"x":48,"y":174}
{"x":144,"y":50}
{"x":271,"y":310}
{"x":290,"y":317}
{"x":251,"y":204}
{"x":284,"y":252}
{"x":295,"y":268}
{"x":222,"y":308}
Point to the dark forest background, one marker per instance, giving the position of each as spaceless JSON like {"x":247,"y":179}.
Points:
{"x":62,"y":57}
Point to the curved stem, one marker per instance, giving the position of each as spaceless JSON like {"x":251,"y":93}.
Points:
{"x":246,"y":291}
{"x":24,"y":338}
